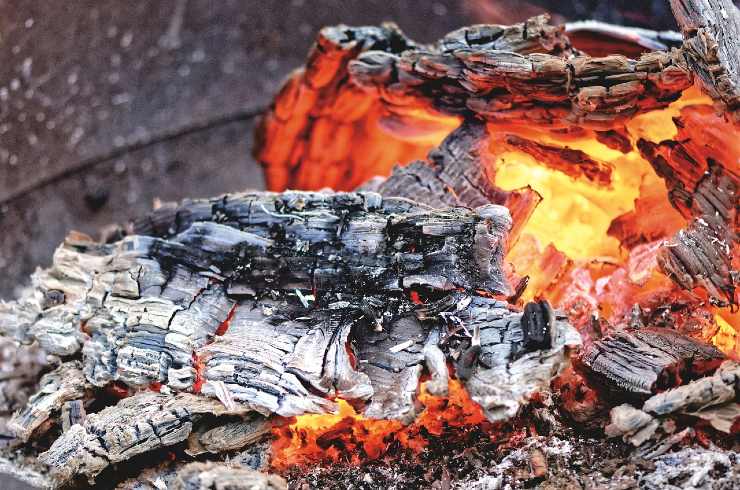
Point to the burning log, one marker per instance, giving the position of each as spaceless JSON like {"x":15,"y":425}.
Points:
{"x":646,"y":360}
{"x":317,"y":113}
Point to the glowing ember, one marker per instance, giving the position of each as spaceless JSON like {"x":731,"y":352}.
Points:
{"x":351,"y":438}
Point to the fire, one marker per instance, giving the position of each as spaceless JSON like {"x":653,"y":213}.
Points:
{"x":349,"y":437}
{"x":590,"y":248}
{"x":581,"y":247}
{"x":726,"y":336}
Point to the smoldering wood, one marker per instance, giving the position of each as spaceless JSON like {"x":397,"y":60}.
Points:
{"x":135,"y":425}
{"x":702,"y":180}
{"x":177,"y":311}
{"x":459,"y":173}
{"x":645,"y":360}
{"x":65,"y":384}
{"x":537,"y":88}
{"x":701,"y":393}
{"x":711,"y":30}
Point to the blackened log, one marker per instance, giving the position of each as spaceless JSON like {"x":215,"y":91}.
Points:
{"x":329,"y":242}
{"x":646,"y":360}
{"x":711,"y":30}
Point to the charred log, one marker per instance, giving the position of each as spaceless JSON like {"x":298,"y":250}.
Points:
{"x":711,"y":30}
{"x":646,"y":360}
{"x":135,"y":425}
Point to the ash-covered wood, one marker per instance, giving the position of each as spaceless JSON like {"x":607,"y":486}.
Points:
{"x":650,"y":428}
{"x":222,"y":476}
{"x":57,"y":389}
{"x":711,"y":30}
{"x":518,"y":356}
{"x":632,"y":424}
{"x":331,"y":242}
{"x":136,"y":425}
{"x":645,"y":360}
{"x":699,"y":394}
{"x":274,"y":304}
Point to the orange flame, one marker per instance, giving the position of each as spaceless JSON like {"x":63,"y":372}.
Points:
{"x":349,"y":437}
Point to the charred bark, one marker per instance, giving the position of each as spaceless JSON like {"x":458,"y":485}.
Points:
{"x":460,"y":173}
{"x":646,"y":360}
{"x":711,"y":30}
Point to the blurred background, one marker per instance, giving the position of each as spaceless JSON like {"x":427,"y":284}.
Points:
{"x":106,"y":105}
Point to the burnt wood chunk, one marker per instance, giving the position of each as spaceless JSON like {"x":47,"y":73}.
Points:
{"x":574,"y":163}
{"x":65,"y":384}
{"x":698,"y":394}
{"x":646,"y":360}
{"x":537,"y":321}
{"x":208,"y":476}
{"x":137,"y":424}
{"x":459,"y":173}
{"x":507,"y":367}
{"x":711,"y":30}
{"x":702,"y":254}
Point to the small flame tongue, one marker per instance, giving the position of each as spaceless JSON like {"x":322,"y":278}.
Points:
{"x":349,"y":437}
